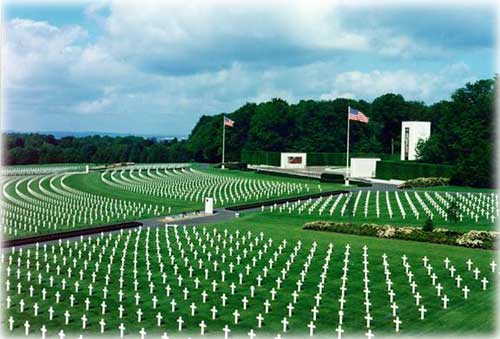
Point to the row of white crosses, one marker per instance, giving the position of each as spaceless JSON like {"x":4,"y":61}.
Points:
{"x":55,"y":276}
{"x":391,"y":294}
{"x":321,"y":285}
{"x":38,"y":170}
{"x":435,"y":282}
{"x":195,"y":185}
{"x":430,"y":204}
{"x":343,"y":290}
{"x":414,"y":287}
{"x":439,"y":210}
{"x":368,"y":318}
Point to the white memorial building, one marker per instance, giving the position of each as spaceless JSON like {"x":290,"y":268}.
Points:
{"x":363,"y":167}
{"x":411,"y":133}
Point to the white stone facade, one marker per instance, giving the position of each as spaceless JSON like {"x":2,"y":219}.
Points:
{"x":411,"y":133}
{"x":363,"y":167}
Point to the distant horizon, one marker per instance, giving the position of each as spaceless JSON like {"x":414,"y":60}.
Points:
{"x":60,"y":134}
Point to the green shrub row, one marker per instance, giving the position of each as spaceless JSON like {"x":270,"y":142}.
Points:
{"x":476,"y":239}
{"x":405,"y":170}
{"x":425,"y":182}
{"x":261,"y":158}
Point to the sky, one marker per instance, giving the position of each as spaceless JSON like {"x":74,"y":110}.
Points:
{"x":151,"y":67}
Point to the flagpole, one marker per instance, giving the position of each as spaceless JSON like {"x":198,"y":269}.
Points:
{"x":347,"y":156}
{"x":223,"y":140}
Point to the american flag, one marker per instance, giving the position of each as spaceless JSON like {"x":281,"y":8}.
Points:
{"x":228,"y":122}
{"x":356,"y":115}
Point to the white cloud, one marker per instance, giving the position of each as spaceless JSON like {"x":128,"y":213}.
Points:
{"x":93,"y":106}
{"x":34,"y":49}
{"x":195,"y":35}
{"x":426,"y":86}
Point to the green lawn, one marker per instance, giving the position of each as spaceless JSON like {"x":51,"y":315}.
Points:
{"x":357,"y":215}
{"x":449,"y":188}
{"x":472,"y":316}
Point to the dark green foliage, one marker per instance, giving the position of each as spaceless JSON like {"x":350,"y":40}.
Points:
{"x":22,"y":149}
{"x":428,"y":225}
{"x":261,"y":158}
{"x":332,"y":177}
{"x":453,"y":210}
{"x":461,"y":133}
{"x":405,"y":170}
{"x":464,"y":134}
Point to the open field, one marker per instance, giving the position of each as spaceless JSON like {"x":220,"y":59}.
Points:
{"x":51,"y":202}
{"x":153,"y":267}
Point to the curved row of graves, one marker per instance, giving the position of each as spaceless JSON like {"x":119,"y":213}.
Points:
{"x":37,"y":204}
{"x":195,"y":185}
{"x":38,"y":170}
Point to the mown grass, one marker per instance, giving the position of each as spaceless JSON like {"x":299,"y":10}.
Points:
{"x":473,"y":316}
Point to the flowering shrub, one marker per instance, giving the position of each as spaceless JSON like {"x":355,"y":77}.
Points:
{"x":386,"y":231}
{"x":477,"y":239}
{"x":425,"y":182}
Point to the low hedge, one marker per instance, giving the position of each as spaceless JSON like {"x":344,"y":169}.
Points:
{"x":425,"y":182}
{"x":475,"y":239}
{"x":261,"y":158}
{"x":332,"y":177}
{"x":406,"y":170}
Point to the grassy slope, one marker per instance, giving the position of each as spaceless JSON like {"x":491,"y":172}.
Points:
{"x":92,"y":183}
{"x":396,"y":220}
{"x":475,"y":314}
{"x":471,"y":316}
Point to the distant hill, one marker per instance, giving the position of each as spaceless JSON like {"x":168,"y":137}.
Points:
{"x":81,"y":134}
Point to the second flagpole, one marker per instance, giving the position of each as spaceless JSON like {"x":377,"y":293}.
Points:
{"x":223,"y":140}
{"x":347,"y":155}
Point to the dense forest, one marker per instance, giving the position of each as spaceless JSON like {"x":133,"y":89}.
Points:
{"x":462,"y":133}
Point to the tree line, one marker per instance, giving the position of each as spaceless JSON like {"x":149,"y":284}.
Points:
{"x":22,"y":149}
{"x":462,"y":129}
{"x":462,"y":134}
